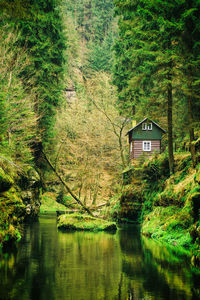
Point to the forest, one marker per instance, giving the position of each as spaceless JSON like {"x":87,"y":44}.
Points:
{"x":74,"y":75}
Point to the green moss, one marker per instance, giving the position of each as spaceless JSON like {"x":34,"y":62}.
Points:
{"x":170,"y":225}
{"x":85,"y":223}
{"x":5,"y":181}
{"x":12,"y":212}
{"x":49,"y":203}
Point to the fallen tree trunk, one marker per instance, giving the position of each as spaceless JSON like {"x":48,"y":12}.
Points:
{"x":66,"y":186}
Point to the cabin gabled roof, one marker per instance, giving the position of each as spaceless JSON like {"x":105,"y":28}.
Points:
{"x":164,"y":131}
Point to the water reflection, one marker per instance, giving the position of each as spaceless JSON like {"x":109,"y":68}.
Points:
{"x":52,"y":265}
{"x":155,"y":271}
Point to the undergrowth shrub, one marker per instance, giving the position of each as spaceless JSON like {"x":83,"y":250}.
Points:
{"x":149,"y":198}
{"x":155,"y":170}
{"x":183,"y":163}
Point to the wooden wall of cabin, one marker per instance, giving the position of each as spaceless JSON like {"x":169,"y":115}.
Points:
{"x":137,"y":148}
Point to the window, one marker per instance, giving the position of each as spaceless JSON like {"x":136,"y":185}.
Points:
{"x":144,"y":126}
{"x":149,"y":126}
{"x":147,"y":146}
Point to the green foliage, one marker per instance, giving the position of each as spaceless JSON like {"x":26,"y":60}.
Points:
{"x":43,"y":38}
{"x":11,"y":211}
{"x":184,"y":163}
{"x":169,"y":225}
{"x":127,"y":175}
{"x":155,"y":169}
{"x":38,"y":34}
{"x":96,"y":26}
{"x":100,"y":55}
{"x":49,"y":203}
{"x":65,"y":200}
{"x":93,"y":18}
{"x":17,"y":107}
{"x":155,"y":54}
{"x":5,"y":181}
{"x":147,"y":207}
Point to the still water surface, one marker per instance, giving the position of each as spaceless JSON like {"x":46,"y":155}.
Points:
{"x":52,"y":265}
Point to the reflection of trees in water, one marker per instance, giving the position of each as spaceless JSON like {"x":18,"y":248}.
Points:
{"x":55,"y":265}
{"x":96,"y":257}
{"x":12,"y":269}
{"x":129,"y":238}
{"x":175,"y":267}
{"x":153,"y":272}
{"x":51,"y":265}
{"x":24,"y":278}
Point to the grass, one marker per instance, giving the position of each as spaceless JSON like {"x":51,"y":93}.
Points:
{"x":84,"y":223}
{"x":170,"y":225}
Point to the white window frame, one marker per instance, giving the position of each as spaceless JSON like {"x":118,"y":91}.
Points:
{"x":149,"y":126}
{"x":144,"y":126}
{"x":146,"y":146}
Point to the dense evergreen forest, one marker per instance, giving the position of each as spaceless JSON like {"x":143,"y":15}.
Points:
{"x":72,"y":73}
{"x":157,"y":65}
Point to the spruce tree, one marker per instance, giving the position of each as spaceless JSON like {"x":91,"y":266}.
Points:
{"x":190,"y":54}
{"x":148,"y":61}
{"x":41,"y":35}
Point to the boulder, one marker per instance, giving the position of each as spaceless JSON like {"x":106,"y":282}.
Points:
{"x":84,"y":223}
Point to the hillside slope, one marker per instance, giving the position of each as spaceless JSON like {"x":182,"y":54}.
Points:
{"x":168,"y":207}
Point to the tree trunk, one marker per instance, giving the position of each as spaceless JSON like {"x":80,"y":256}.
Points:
{"x":191,"y":131}
{"x":75,"y":14}
{"x":121,"y":150}
{"x":190,"y":120}
{"x":170,"y":125}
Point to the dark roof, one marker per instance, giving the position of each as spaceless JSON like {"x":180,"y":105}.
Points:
{"x":144,"y":121}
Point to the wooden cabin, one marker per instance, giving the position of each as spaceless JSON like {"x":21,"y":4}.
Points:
{"x":145,"y":139}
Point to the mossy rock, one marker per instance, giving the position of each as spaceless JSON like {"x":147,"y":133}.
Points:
{"x":30,"y":179}
{"x":12,"y":211}
{"x":11,"y":204}
{"x":5,"y":181}
{"x":80,"y":222}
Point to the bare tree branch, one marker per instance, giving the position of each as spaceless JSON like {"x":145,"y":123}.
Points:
{"x":115,"y":127}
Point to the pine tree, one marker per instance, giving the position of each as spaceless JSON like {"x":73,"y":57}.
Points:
{"x":189,"y":51}
{"x":95,"y":23}
{"x":42,"y":36}
{"x":17,"y":119}
{"x":148,"y":61}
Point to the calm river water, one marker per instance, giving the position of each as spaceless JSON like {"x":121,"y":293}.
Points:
{"x":52,"y":265}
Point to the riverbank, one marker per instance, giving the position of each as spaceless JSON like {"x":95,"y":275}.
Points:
{"x":167,"y":207}
{"x":49,"y":204}
{"x":19,"y":201}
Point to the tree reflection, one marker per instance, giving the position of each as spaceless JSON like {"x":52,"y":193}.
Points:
{"x":154,"y":271}
{"x":51,"y":265}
